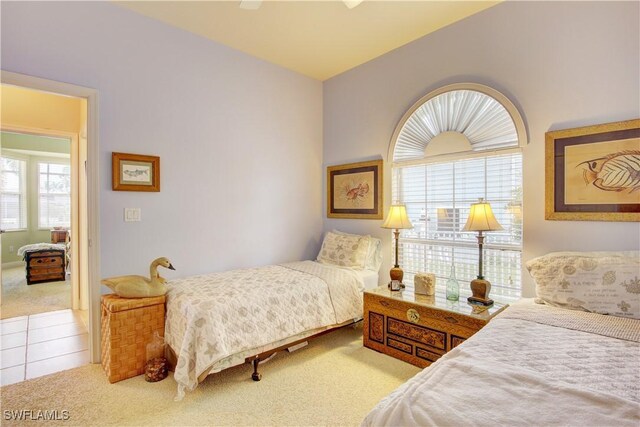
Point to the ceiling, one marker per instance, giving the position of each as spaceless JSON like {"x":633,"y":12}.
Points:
{"x":319,"y":39}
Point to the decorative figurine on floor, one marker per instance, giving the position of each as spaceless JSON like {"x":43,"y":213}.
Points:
{"x":134,"y":286}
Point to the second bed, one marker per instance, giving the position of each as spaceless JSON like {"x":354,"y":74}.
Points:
{"x":220,"y":320}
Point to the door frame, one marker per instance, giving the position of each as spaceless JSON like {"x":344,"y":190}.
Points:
{"x":93,"y":188}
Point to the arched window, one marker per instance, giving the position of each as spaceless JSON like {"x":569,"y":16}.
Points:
{"x":455,"y":145}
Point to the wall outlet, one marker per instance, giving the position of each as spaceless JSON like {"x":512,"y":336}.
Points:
{"x":11,"y":249}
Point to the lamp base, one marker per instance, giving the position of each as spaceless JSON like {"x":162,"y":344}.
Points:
{"x":480,"y":289}
{"x":396,"y":273}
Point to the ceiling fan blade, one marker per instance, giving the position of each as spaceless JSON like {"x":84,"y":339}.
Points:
{"x":250,"y":4}
{"x":352,"y":3}
{"x":255,"y":4}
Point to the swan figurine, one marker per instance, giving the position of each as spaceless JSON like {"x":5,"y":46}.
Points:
{"x":134,"y":286}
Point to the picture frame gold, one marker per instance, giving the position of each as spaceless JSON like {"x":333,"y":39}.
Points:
{"x":355,"y":190}
{"x":135,"y":172}
{"x":592,"y":173}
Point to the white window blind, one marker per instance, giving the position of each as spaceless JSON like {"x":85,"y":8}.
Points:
{"x":438,"y":197}
{"x":13,"y":194}
{"x":54,"y":195}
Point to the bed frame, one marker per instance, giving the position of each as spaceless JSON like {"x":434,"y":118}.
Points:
{"x":267,"y":355}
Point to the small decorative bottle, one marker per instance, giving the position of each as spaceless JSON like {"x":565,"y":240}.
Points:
{"x":157,"y":367}
{"x":453,"y":288}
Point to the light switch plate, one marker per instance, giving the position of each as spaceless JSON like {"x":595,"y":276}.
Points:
{"x":132,"y":214}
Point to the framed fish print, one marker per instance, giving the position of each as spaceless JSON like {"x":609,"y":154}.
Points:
{"x":354,"y":190}
{"x":135,"y":172}
{"x":593,"y":173}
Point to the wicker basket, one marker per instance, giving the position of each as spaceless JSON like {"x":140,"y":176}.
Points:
{"x":128,"y":325}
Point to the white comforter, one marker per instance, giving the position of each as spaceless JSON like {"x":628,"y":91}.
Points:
{"x":532,"y":365}
{"x":211,"y":317}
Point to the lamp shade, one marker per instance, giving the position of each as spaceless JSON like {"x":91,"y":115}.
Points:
{"x":397,"y":218}
{"x":442,"y":214}
{"x":481,"y":218}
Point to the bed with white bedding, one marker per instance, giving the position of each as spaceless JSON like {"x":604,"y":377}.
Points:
{"x":538,"y":364}
{"x":220,"y":320}
{"x":531,"y":365}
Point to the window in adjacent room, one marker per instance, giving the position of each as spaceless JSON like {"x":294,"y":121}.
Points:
{"x":13,"y":194}
{"x":456,"y":145}
{"x":54,"y":195}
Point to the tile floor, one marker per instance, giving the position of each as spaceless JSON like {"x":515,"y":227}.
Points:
{"x":41,"y":344}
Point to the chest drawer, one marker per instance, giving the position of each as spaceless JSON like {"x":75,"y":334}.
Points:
{"x":45,"y":262}
{"x":418,"y":334}
{"x":42,"y":271}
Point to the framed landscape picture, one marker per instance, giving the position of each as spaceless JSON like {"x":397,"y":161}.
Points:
{"x":354,"y":190}
{"x":135,"y":172}
{"x":593,"y":173}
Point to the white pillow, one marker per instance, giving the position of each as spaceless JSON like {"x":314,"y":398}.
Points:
{"x":345,"y":250}
{"x":373,"y":259}
{"x":600,"y":282}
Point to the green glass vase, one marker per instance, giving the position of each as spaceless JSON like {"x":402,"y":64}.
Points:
{"x":453,"y":287}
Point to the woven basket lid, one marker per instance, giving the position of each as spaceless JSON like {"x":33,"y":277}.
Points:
{"x":115,"y":303}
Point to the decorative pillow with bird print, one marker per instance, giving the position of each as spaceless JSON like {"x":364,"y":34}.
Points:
{"x":345,"y":250}
{"x":600,"y":282}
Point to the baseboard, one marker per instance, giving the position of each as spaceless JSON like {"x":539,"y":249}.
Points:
{"x":13,"y":264}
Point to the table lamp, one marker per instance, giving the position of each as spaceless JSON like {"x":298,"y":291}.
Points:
{"x":481,"y":219}
{"x":397,"y":219}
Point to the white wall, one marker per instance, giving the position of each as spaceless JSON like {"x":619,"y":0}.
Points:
{"x":240,"y":140}
{"x":563,"y":64}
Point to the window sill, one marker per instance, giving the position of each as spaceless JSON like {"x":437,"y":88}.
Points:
{"x":15,"y":230}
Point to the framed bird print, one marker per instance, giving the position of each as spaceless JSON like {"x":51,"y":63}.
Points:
{"x":135,"y":172}
{"x":354,"y":190}
{"x":593,"y":173}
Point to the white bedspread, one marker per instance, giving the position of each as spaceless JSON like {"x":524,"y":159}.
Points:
{"x":213,"y":316}
{"x":532,"y":365}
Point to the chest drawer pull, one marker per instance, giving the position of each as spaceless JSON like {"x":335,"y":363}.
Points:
{"x":451,"y":319}
{"x":384,"y":303}
{"x":413,"y":316}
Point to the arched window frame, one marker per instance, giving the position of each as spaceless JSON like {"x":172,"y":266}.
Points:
{"x":502,"y":99}
{"x":464,"y":277}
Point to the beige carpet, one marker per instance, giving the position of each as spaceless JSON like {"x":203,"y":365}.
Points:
{"x":20,"y":299}
{"x":333,"y":381}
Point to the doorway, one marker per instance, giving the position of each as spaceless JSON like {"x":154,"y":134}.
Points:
{"x":36,"y":212}
{"x":81,"y":236}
